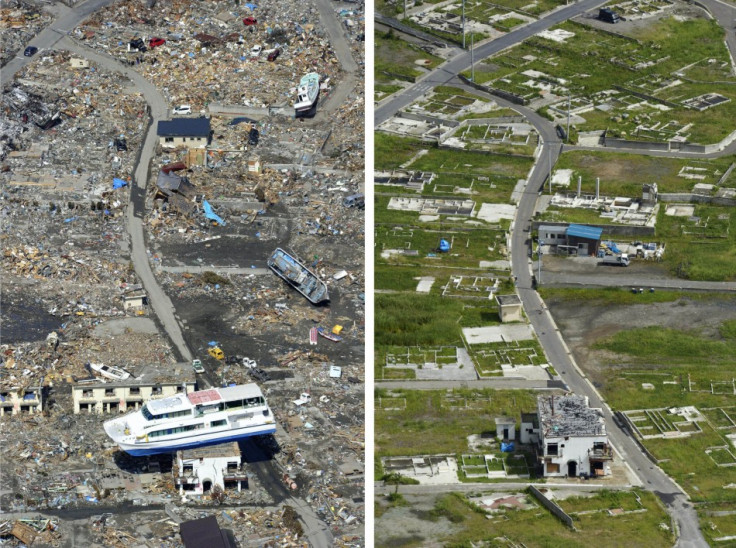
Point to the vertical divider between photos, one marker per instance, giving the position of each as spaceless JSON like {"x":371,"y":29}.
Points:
{"x":369,"y":272}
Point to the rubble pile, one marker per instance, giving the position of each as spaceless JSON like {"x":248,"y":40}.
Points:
{"x":69,"y":131}
{"x":205,"y":41}
{"x":20,"y":21}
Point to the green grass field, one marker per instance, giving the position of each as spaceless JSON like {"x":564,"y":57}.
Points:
{"x":622,"y":174}
{"x":398,"y":58}
{"x":643,"y":66}
{"x":431,"y":425}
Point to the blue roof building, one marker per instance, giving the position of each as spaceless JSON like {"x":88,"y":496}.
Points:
{"x":586,"y":239}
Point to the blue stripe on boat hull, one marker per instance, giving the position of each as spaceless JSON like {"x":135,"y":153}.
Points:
{"x":192,"y":445}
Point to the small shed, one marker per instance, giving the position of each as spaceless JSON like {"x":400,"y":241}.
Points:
{"x":586,"y":239}
{"x":505,"y":428}
{"x":134,"y":302}
{"x":509,"y":308}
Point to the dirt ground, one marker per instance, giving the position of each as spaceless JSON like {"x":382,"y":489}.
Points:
{"x":411,"y":525}
{"x":582,"y":326}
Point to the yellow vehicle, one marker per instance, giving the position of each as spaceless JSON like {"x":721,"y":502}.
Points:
{"x":216,"y":352}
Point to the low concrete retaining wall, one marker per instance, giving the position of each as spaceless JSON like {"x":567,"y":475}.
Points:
{"x":552,"y":507}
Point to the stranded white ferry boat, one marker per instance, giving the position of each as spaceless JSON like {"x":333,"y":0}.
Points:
{"x":184,"y":421}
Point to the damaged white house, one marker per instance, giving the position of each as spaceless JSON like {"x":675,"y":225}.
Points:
{"x":199,"y":470}
{"x":571,"y":437}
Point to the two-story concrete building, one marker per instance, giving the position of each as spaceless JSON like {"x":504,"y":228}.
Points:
{"x":199,"y":470}
{"x":21,"y":400}
{"x":571,"y":436}
{"x":96,"y":396}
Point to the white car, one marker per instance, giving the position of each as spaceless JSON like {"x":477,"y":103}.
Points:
{"x":182,"y":109}
{"x":256,"y":51}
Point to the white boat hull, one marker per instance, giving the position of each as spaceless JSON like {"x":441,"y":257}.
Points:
{"x":190,"y":442}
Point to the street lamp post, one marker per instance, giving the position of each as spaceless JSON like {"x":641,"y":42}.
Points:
{"x":463,"y":18}
{"x":472,"y":61}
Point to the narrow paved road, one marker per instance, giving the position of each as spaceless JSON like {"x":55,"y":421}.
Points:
{"x":618,"y":277}
{"x":502,"y":383}
{"x":650,"y":476}
{"x":341,"y":45}
{"x":158,"y":299}
{"x":424,"y":489}
{"x":47,"y":38}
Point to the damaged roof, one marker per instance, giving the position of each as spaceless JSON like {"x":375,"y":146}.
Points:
{"x":561,"y":416}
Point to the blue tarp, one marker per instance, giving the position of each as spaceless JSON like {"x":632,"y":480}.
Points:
{"x":444,"y":245}
{"x":251,"y":6}
{"x":118,"y":183}
{"x":507,"y":447}
{"x":210,"y":214}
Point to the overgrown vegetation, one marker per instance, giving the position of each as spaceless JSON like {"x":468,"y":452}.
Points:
{"x":431,"y":422}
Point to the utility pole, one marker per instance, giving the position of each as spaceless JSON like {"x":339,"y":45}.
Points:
{"x":404,"y":9}
{"x":567,"y":135}
{"x":472,"y":62}
{"x":463,"y":17}
{"x":549,"y":161}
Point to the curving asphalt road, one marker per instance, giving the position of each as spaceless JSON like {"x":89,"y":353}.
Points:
{"x":650,"y":476}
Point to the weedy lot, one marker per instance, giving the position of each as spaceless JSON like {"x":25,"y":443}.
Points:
{"x":454,"y":520}
{"x":646,"y":58}
{"x":667,"y":350}
{"x":430,"y":422}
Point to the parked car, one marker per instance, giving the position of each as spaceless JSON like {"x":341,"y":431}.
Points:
{"x":253,"y":137}
{"x":156,"y":42}
{"x":182,"y":109}
{"x":608,"y":15}
{"x":256,"y":51}
{"x":197,"y":366}
{"x":356,"y":200}
{"x":274,"y":54}
{"x":216,"y":352}
{"x":138,"y":44}
{"x":30,"y":51}
{"x":248,"y":21}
